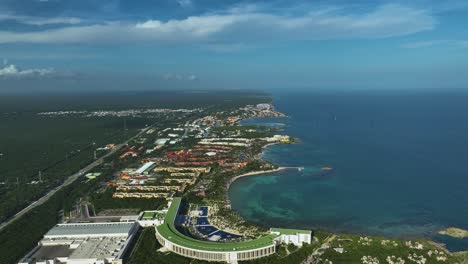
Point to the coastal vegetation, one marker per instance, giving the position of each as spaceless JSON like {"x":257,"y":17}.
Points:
{"x":350,"y":248}
{"x":59,"y":146}
{"x":52,"y":147}
{"x":222,"y":215}
{"x":22,"y":234}
{"x":454,"y":232}
{"x":326,"y":248}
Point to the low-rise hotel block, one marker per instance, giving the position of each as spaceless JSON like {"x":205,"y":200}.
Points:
{"x":142,"y":195}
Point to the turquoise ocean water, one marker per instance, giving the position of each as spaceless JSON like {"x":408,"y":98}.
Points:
{"x":399,"y":159}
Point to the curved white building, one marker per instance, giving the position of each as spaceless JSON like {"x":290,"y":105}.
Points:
{"x":169,"y":237}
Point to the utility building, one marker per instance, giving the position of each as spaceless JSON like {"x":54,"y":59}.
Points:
{"x":89,"y":243}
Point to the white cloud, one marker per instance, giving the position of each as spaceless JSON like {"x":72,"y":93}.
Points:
{"x":180,"y":77}
{"x":185,"y":3}
{"x":41,"y":21}
{"x":11,"y":71}
{"x":244,"y":26}
{"x":57,"y":20}
{"x":190,"y":27}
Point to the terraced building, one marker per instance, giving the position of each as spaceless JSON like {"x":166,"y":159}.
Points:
{"x":231,"y":252}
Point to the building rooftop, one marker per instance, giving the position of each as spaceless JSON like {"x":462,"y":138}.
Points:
{"x":153,"y":215}
{"x":291,"y":231}
{"x":89,"y":241}
{"x":99,"y":248}
{"x":145,"y":167}
{"x":82,"y":249}
{"x":169,"y":231}
{"x":52,"y":252}
{"x":94,"y":229}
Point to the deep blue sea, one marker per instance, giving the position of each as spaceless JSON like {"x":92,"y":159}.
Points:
{"x":399,"y":159}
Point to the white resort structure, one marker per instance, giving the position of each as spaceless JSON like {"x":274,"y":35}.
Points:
{"x":232,"y":252}
{"x":108,"y":243}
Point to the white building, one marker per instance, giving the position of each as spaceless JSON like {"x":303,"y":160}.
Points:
{"x":152,"y":218}
{"x":161,"y":141}
{"x":292,"y":236}
{"x":231,"y":252}
{"x":145,"y":167}
{"x":88,"y":243}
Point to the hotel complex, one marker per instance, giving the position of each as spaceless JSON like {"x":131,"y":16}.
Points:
{"x":171,"y":239}
{"x":109,"y":242}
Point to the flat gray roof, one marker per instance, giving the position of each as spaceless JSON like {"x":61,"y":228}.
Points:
{"x":99,"y":248}
{"x":52,"y":252}
{"x":84,"y":249}
{"x":92,"y":229}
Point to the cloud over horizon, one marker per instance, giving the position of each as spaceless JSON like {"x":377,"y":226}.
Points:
{"x":234,"y":43}
{"x":11,"y":71}
{"x":240,"y":25}
{"x":180,"y":77}
{"x":41,"y":21}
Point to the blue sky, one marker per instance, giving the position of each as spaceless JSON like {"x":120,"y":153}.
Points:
{"x":71,"y":45}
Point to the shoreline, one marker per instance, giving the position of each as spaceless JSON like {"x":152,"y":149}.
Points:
{"x":430,"y":240}
{"x":260,"y":155}
{"x":252,"y":173}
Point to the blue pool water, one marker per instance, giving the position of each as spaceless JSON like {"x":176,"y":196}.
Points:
{"x":399,"y":159}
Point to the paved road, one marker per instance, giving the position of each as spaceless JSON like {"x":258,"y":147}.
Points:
{"x":67,"y":182}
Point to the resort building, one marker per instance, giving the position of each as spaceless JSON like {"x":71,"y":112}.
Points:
{"x":89,"y":243}
{"x":145,"y":168}
{"x":162,"y":141}
{"x":293,"y":236}
{"x":145,"y":195}
{"x":149,"y":188}
{"x":152,"y":218}
{"x":182,"y":169}
{"x":232,"y":252}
